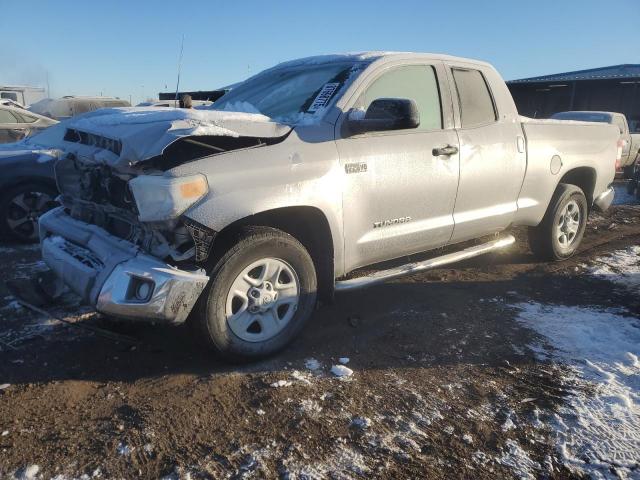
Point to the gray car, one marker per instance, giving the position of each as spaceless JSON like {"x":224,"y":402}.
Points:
{"x":27,"y":184}
{"x":17,"y":123}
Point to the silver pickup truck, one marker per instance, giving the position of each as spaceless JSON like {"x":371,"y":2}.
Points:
{"x":237,"y":218}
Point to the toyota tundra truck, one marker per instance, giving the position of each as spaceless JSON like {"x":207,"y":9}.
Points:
{"x":237,"y":218}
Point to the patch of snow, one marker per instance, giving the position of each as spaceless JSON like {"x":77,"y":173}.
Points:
{"x":260,"y":412}
{"x":123,"y":449}
{"x":341,"y":371}
{"x":5,"y":433}
{"x":519,"y":461}
{"x":361,"y":423}
{"x":29,"y":472}
{"x":621,"y":267}
{"x":4,"y":386}
{"x":343,"y":360}
{"x":508,"y":424}
{"x":480,"y":457}
{"x":281,"y":383}
{"x":301,"y":377}
{"x":599,"y":429}
{"x":467,"y":438}
{"x":343,"y":462}
{"x":312,"y":364}
{"x":310,"y":407}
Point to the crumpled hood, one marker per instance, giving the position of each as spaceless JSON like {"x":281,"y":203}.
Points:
{"x":132,"y":135}
{"x":145,"y":132}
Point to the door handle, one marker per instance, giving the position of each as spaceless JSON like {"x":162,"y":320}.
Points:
{"x":445,"y":151}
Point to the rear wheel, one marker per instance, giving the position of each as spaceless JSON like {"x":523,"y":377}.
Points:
{"x":261,"y":293}
{"x":20,"y":208}
{"x":559,"y":234}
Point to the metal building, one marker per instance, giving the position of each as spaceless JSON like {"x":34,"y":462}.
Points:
{"x":613,"y":89}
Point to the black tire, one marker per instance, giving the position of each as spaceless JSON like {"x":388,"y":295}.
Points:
{"x":20,"y":208}
{"x":544,"y":239}
{"x":253,"y":245}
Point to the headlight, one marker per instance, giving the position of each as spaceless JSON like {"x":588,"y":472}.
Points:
{"x":162,"y":198}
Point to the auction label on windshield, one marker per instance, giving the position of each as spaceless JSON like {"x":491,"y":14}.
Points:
{"x":323,"y":97}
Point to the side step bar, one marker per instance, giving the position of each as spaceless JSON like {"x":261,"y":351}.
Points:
{"x":411,"y":268}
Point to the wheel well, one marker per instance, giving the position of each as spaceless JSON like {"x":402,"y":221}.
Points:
{"x":583,"y":177}
{"x":20,"y":181}
{"x":307,"y":224}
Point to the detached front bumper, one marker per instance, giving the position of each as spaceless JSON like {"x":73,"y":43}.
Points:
{"x":114,"y":275}
{"x":604,"y":200}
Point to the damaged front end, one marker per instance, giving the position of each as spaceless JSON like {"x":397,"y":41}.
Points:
{"x":98,"y":246}
{"x":121,"y":240}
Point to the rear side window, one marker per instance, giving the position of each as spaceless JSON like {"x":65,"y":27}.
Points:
{"x":476,"y":104}
{"x":413,"y":82}
{"x":6,"y":117}
{"x":26,"y":118}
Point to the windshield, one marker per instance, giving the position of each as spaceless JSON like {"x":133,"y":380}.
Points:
{"x":582,"y":116}
{"x":290,"y":95}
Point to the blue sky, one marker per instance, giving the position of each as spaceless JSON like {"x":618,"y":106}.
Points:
{"x":124,"y":48}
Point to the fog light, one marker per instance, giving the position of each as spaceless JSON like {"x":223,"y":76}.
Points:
{"x":143,"y":291}
{"x":139,"y":289}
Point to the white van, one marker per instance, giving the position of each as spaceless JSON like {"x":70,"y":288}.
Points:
{"x":22,"y":94}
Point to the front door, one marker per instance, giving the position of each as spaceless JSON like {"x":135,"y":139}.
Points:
{"x":399,"y":197}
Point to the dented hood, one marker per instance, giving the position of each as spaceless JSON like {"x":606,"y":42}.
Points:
{"x":132,"y":135}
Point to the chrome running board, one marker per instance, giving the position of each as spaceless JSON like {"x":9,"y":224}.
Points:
{"x":411,"y":268}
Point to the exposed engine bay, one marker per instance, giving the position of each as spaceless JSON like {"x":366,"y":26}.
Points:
{"x":99,"y":194}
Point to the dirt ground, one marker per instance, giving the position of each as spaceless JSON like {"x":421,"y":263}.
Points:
{"x":444,"y":384}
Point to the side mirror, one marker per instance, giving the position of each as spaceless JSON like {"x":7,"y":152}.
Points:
{"x":386,"y":114}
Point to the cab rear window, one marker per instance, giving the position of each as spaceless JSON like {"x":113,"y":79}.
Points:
{"x":476,"y":104}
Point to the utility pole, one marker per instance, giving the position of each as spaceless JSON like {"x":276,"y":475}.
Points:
{"x":179,"y":66}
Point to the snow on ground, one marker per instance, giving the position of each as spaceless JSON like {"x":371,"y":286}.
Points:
{"x":598,"y":430}
{"x":621,"y":267}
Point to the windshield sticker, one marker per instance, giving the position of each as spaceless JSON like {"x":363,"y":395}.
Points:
{"x":323,"y":97}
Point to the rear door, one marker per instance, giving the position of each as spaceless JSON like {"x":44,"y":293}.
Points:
{"x":399,"y":197}
{"x":492,"y":153}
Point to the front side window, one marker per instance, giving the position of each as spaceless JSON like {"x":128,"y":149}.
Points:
{"x":290,"y":95}
{"x":413,"y":82}
{"x":476,"y":104}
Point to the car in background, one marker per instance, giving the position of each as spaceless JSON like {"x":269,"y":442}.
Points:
{"x":173,"y":103}
{"x":27,"y":184}
{"x":17,"y":123}
{"x":70,"y":106}
{"x":630,"y":141}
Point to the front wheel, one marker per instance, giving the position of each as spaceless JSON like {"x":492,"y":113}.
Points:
{"x":559,"y":234}
{"x":20,"y":208}
{"x":262,"y":292}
